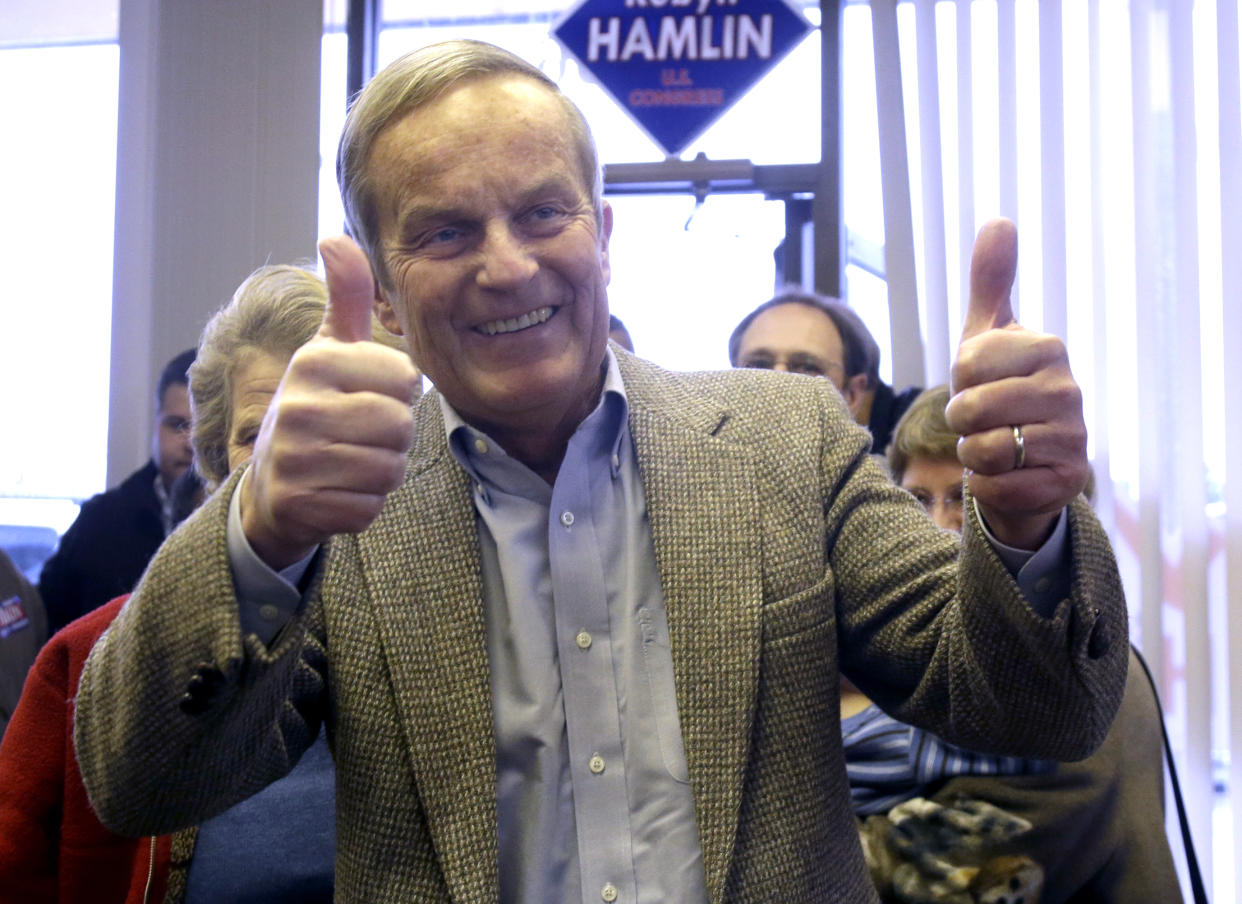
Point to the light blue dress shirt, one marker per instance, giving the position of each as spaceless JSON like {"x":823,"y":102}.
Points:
{"x":594,"y":793}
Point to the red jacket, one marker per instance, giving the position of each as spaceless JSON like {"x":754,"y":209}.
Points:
{"x":52,"y":846}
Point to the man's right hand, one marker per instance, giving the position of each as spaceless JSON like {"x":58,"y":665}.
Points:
{"x":333,"y":442}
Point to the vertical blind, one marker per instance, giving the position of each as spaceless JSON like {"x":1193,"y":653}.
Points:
{"x":1110,"y":132}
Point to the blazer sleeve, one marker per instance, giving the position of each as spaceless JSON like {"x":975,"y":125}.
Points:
{"x":939,"y":635}
{"x":179,"y":716}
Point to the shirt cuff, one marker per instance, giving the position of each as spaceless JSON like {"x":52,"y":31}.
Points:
{"x":1043,"y":575}
{"x":267,"y":600}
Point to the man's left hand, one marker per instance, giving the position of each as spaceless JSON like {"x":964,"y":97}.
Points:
{"x":1015,"y":404}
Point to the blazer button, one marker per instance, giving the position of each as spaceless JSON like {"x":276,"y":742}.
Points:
{"x":1100,"y":640}
{"x":203,"y":687}
{"x":192,"y":705}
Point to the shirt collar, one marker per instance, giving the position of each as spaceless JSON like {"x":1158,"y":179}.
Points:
{"x":603,"y":429}
{"x":166,"y":503}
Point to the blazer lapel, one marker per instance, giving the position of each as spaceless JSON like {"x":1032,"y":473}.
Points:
{"x":428,"y":603}
{"x":700,"y":493}
{"x":429,"y":608}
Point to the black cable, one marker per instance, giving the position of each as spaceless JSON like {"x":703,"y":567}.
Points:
{"x":1192,"y":862}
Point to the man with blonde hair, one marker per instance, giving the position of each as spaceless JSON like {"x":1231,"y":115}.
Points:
{"x":575,"y":622}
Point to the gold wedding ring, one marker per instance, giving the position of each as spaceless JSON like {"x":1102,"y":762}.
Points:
{"x":1019,"y":448}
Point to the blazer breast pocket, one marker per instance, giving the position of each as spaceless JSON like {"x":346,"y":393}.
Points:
{"x":658,"y":662}
{"x":803,"y":611}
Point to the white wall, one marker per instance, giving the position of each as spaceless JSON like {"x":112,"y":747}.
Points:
{"x":217,"y":173}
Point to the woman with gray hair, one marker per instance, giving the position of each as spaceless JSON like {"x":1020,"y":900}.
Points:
{"x":244,"y":349}
{"x":277,"y":846}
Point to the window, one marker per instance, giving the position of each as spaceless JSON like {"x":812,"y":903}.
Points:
{"x":714,"y":260}
{"x":59,"y":65}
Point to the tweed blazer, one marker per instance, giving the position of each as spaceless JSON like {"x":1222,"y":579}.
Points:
{"x":785,"y":556}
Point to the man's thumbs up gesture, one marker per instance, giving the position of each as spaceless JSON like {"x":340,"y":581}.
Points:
{"x":333,"y":442}
{"x":1015,"y":404}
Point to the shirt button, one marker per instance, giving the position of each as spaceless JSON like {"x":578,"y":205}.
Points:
{"x":608,"y":892}
{"x":584,"y":640}
{"x":567,"y":518}
{"x":1042,"y":585}
{"x":597,"y":764}
{"x":268,"y":612}
{"x":481,"y":446}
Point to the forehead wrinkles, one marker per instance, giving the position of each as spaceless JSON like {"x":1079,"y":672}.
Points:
{"x":458,"y":133}
{"x":797,"y":327}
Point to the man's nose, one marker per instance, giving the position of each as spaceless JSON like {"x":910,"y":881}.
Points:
{"x":507,"y":260}
{"x":947,"y":517}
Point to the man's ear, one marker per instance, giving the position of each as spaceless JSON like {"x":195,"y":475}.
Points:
{"x":384,"y":311}
{"x":855,"y":393}
{"x":605,"y":233}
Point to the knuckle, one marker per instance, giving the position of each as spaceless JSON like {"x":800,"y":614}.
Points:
{"x":965,"y":365}
{"x":311,"y":360}
{"x":355,"y":523}
{"x":366,"y":511}
{"x":974,"y":454}
{"x":1050,"y":346}
{"x":292,"y":413}
{"x":966,"y":413}
{"x":998,"y":454}
{"x":1076,"y":440}
{"x":394,"y":472}
{"x":1066,"y":393}
{"x":405,"y":435}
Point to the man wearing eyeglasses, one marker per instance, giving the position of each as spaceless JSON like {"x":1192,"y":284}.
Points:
{"x":802,"y":333}
{"x":107,"y":547}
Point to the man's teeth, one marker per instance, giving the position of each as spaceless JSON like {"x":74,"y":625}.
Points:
{"x":539,"y":315}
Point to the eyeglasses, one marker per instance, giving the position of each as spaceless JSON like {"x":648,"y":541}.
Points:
{"x":796,"y":363}
{"x":176,"y":424}
{"x":952,"y":501}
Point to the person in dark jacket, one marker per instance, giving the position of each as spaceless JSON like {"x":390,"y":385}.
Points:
{"x":107,"y":547}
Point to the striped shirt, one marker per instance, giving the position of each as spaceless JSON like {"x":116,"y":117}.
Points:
{"x":889,"y":761}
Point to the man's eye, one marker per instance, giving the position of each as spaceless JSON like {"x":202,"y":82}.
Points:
{"x":545,"y":219}
{"x":444,"y":236}
{"x":925,"y":499}
{"x":807,"y":368}
{"x":760,"y":363}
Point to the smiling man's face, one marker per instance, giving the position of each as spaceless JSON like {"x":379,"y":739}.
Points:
{"x":496,"y":262}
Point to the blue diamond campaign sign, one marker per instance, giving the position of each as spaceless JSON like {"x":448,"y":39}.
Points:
{"x":677,"y":65}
